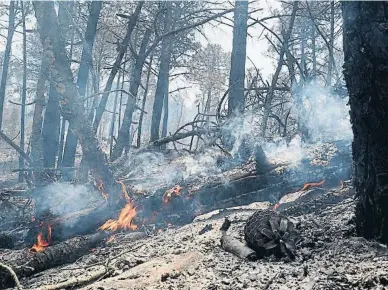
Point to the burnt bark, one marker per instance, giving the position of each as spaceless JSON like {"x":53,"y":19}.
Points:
{"x":51,"y":127}
{"x":366,"y":74}
{"x":140,"y":126}
{"x":239,"y":51}
{"x":26,"y":264}
{"x":71,"y":104}
{"x":51,"y":122}
{"x":162,"y":83}
{"x":82,"y":79}
{"x":24,"y":93}
{"x":124,"y":131}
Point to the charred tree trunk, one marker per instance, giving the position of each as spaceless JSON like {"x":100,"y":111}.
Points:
{"x":113,"y":120}
{"x":366,"y":75}
{"x":124,"y":131}
{"x":82,"y":79}
{"x":51,"y":123}
{"x":50,"y":132}
{"x":331,"y":41}
{"x":24,"y":93}
{"x":7,"y":55}
{"x":66,"y":252}
{"x":165,"y":108}
{"x":239,"y":52}
{"x":123,"y":48}
{"x":139,"y":131}
{"x":71,"y":104}
{"x":164,"y":69}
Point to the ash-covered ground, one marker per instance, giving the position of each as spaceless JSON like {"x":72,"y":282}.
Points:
{"x":190,"y":257}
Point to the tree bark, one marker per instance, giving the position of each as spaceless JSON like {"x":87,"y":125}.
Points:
{"x":82,"y":79}
{"x":51,"y":122}
{"x":139,"y":131}
{"x":366,"y":74}
{"x":113,"y":120}
{"x":71,"y":104}
{"x":123,"y":48}
{"x":124,"y":131}
{"x":331,"y":41}
{"x":7,"y":55}
{"x":164,"y":69}
{"x":51,"y":127}
{"x":24,"y":93}
{"x":165,"y":108}
{"x":238,"y":60}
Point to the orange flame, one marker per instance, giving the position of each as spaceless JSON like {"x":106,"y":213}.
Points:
{"x":275,"y":207}
{"x":123,"y":222}
{"x":175,"y":191}
{"x":312,"y":184}
{"x":42,"y":243}
{"x":100,"y":187}
{"x":124,"y":191}
{"x":111,"y":239}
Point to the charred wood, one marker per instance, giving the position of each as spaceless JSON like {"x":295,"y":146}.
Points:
{"x":234,"y":246}
{"x":25,"y":263}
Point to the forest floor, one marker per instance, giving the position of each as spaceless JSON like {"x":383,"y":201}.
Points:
{"x":190,"y":257}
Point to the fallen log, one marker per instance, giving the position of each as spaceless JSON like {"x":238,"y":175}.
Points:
{"x":234,"y":246}
{"x":26,"y":263}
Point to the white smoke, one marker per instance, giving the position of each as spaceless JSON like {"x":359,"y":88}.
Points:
{"x":326,"y":115}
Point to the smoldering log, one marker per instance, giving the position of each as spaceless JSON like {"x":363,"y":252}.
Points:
{"x":234,"y":246}
{"x":26,"y":263}
{"x":78,"y":223}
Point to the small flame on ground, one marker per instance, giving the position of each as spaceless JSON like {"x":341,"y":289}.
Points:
{"x":111,"y":239}
{"x":312,"y":184}
{"x":100,"y":187}
{"x":41,"y":242}
{"x":124,"y":221}
{"x":175,"y":191}
{"x":275,"y":207}
{"x":124,"y":191}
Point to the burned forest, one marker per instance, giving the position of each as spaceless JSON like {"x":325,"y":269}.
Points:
{"x":194,"y":145}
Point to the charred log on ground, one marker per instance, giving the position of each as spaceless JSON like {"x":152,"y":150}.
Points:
{"x":26,"y":263}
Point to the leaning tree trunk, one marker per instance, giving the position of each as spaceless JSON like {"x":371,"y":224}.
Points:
{"x":7,"y":55}
{"x":123,"y":49}
{"x":164,"y":69}
{"x":124,"y":131}
{"x":52,"y":120}
{"x":71,"y":104}
{"x":366,"y":74}
{"x":82,"y":79}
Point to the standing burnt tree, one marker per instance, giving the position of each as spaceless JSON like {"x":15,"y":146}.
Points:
{"x":366,"y":74}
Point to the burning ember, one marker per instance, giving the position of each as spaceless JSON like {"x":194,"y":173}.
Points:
{"x":175,"y":191}
{"x":111,"y":239}
{"x":42,"y":243}
{"x":312,"y":184}
{"x":124,"y":221}
{"x":100,"y":187}
{"x":124,"y":191}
